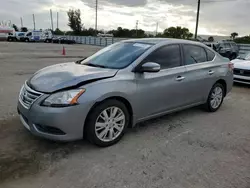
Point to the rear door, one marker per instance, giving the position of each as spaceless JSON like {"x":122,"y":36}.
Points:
{"x":201,"y":71}
{"x":163,"y":90}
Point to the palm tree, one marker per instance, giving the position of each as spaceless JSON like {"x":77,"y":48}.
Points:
{"x":233,"y":35}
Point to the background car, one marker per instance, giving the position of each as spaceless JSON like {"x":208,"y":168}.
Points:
{"x":63,"y":40}
{"x":226,"y":48}
{"x":242,"y":69}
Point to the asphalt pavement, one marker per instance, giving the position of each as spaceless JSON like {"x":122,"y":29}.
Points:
{"x":191,"y":148}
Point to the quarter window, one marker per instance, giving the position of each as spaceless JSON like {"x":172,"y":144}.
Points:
{"x":167,"y":56}
{"x":210,"y":55}
{"x":194,"y":54}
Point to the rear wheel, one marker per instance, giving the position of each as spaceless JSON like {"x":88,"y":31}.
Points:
{"x":106,"y":123}
{"x":215,"y":98}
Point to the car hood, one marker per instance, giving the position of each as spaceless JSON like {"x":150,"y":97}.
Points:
{"x":241,"y":64}
{"x":67,"y":75}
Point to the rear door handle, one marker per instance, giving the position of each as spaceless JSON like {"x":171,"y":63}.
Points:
{"x":180,"y":78}
{"x":210,"y":72}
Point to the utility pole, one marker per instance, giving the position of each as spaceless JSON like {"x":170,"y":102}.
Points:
{"x":21,"y":21}
{"x":57,"y":17}
{"x":52,"y":27}
{"x":96,"y":9}
{"x":34,"y":21}
{"x":197,"y":19}
{"x":136,"y":28}
{"x":156,"y":31}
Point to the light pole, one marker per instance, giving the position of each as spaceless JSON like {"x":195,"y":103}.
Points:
{"x":197,"y":19}
{"x":96,"y":8}
{"x":51,"y":17}
{"x":34,"y":21}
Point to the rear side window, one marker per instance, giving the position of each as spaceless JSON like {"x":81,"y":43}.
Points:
{"x":194,"y":54}
{"x":167,"y":56}
{"x":210,"y":55}
{"x":227,"y":45}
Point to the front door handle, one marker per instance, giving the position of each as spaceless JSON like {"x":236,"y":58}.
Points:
{"x":180,"y":78}
{"x":210,"y":72}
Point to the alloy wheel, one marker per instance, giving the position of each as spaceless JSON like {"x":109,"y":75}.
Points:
{"x":110,"y":124}
{"x":216,"y":97}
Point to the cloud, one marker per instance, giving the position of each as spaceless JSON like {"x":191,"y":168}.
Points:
{"x":216,"y":16}
{"x":129,"y":3}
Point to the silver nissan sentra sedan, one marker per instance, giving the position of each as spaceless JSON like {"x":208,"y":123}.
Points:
{"x":131,"y":81}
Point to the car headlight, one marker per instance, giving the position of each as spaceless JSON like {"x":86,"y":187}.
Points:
{"x":64,"y":98}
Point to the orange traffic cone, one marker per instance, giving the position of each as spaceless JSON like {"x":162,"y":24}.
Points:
{"x":63,"y":51}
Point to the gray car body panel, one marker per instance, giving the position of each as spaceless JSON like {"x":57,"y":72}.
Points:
{"x":149,"y":94}
{"x":61,"y":76}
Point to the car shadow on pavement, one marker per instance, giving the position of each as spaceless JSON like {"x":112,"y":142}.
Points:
{"x":22,"y":154}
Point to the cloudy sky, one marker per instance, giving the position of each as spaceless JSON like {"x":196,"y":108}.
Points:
{"x":219,"y":17}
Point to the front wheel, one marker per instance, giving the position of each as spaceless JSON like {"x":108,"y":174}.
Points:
{"x":106,"y":123}
{"x":215,"y":97}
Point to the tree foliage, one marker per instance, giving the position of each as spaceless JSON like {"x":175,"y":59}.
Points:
{"x":123,"y":32}
{"x":75,"y":22}
{"x":15,"y":27}
{"x":233,"y":35}
{"x":243,"y":40}
{"x":58,"y":32}
{"x":211,"y":39}
{"x":177,"y":32}
{"x":24,"y":29}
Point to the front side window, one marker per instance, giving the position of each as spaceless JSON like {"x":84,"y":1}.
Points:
{"x":194,"y":54}
{"x":167,"y":56}
{"x":117,"y":56}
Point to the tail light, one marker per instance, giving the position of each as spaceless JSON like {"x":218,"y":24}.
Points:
{"x":231,"y":66}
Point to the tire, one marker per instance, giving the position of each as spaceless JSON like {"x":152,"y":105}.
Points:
{"x":9,"y":39}
{"x":100,"y":135}
{"x":26,"y":40}
{"x":214,"y":106}
{"x":233,"y":56}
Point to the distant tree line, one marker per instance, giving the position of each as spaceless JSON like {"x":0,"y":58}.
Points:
{"x":77,"y":28}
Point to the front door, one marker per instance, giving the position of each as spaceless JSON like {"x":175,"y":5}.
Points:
{"x":164,"y":90}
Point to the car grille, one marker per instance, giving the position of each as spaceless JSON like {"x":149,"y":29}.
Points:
{"x":241,"y":80}
{"x":242,"y":72}
{"x":28,"y":96}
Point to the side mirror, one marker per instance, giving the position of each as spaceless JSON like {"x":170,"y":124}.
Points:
{"x":150,"y":67}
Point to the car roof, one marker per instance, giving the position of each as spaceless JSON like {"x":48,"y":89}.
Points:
{"x":155,"y":41}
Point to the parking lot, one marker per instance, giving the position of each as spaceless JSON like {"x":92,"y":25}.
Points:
{"x":191,"y":148}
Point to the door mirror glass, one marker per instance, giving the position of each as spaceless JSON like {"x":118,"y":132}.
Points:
{"x":150,"y":67}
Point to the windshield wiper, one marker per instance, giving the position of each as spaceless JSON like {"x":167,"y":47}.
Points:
{"x":95,"y":65}
{"x":80,"y":60}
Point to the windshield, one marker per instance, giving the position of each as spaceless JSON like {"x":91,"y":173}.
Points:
{"x":244,"y":56}
{"x":117,"y":56}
